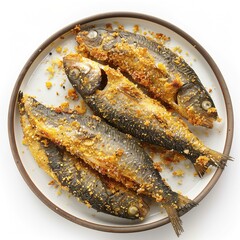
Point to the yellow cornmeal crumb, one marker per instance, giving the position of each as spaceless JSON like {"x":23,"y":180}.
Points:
{"x":146,"y":123}
{"x":48,"y":84}
{"x":65,"y":50}
{"x":177,"y":49}
{"x":187,"y":54}
{"x":64,"y":106}
{"x":72,"y":94}
{"x":57,"y":62}
{"x":209,"y":170}
{"x":180,"y":182}
{"x":202,"y":160}
{"x":219,"y":119}
{"x":120,"y":27}
{"x":59,"y":192}
{"x":187,"y":166}
{"x":51,"y":71}
{"x":52,"y":182}
{"x":162,"y":67}
{"x":109,"y":26}
{"x":52,"y":68}
{"x":135,"y":28}
{"x":58,"y":49}
{"x":211,"y":110}
{"x":157,"y":166}
{"x":178,"y":173}
{"x":161,"y":37}
{"x":80,"y":109}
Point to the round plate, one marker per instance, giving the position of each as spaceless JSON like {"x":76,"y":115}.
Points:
{"x":45,"y":66}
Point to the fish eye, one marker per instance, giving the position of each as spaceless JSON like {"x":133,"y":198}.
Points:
{"x":133,"y":211}
{"x":92,"y":34}
{"x":206,"y":105}
{"x":74,"y":73}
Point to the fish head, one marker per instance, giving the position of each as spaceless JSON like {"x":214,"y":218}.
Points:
{"x":99,"y":37}
{"x":196,"y":101}
{"x":83,"y":74}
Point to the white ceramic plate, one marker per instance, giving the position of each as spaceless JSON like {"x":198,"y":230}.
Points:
{"x":36,"y":73}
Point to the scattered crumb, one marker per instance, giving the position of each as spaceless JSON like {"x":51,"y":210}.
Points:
{"x":65,"y":50}
{"x":180,"y":182}
{"x":177,"y":49}
{"x":219,"y":119}
{"x":64,"y":106}
{"x":210,"y":90}
{"x":76,"y":29}
{"x":109,"y":26}
{"x":72,"y":94}
{"x":81,"y":109}
{"x":51,"y":71}
{"x":59,"y":192}
{"x":48,"y":84}
{"x":157,"y":166}
{"x":178,"y":173}
{"x":51,"y":183}
{"x":209,"y":170}
{"x":59,"y":49}
{"x":212,"y":110}
{"x":162,"y":67}
{"x":120,"y":27}
{"x":136,"y":28}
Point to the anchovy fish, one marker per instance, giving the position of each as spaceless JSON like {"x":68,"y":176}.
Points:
{"x":87,"y":185}
{"x":113,"y":97}
{"x":164,"y":75}
{"x":107,"y":150}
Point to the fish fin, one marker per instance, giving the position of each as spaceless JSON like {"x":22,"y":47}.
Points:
{"x":200,"y":169}
{"x":185,"y":204}
{"x":174,"y":218}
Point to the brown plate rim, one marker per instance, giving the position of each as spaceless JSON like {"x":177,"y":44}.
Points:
{"x":13,"y":101}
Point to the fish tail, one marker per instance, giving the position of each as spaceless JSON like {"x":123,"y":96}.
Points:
{"x":218,"y":159}
{"x":185,"y":204}
{"x":212,"y":158}
{"x":200,"y":169}
{"x":174,"y":218}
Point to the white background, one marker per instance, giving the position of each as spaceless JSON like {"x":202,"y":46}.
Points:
{"x":24,"y":25}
